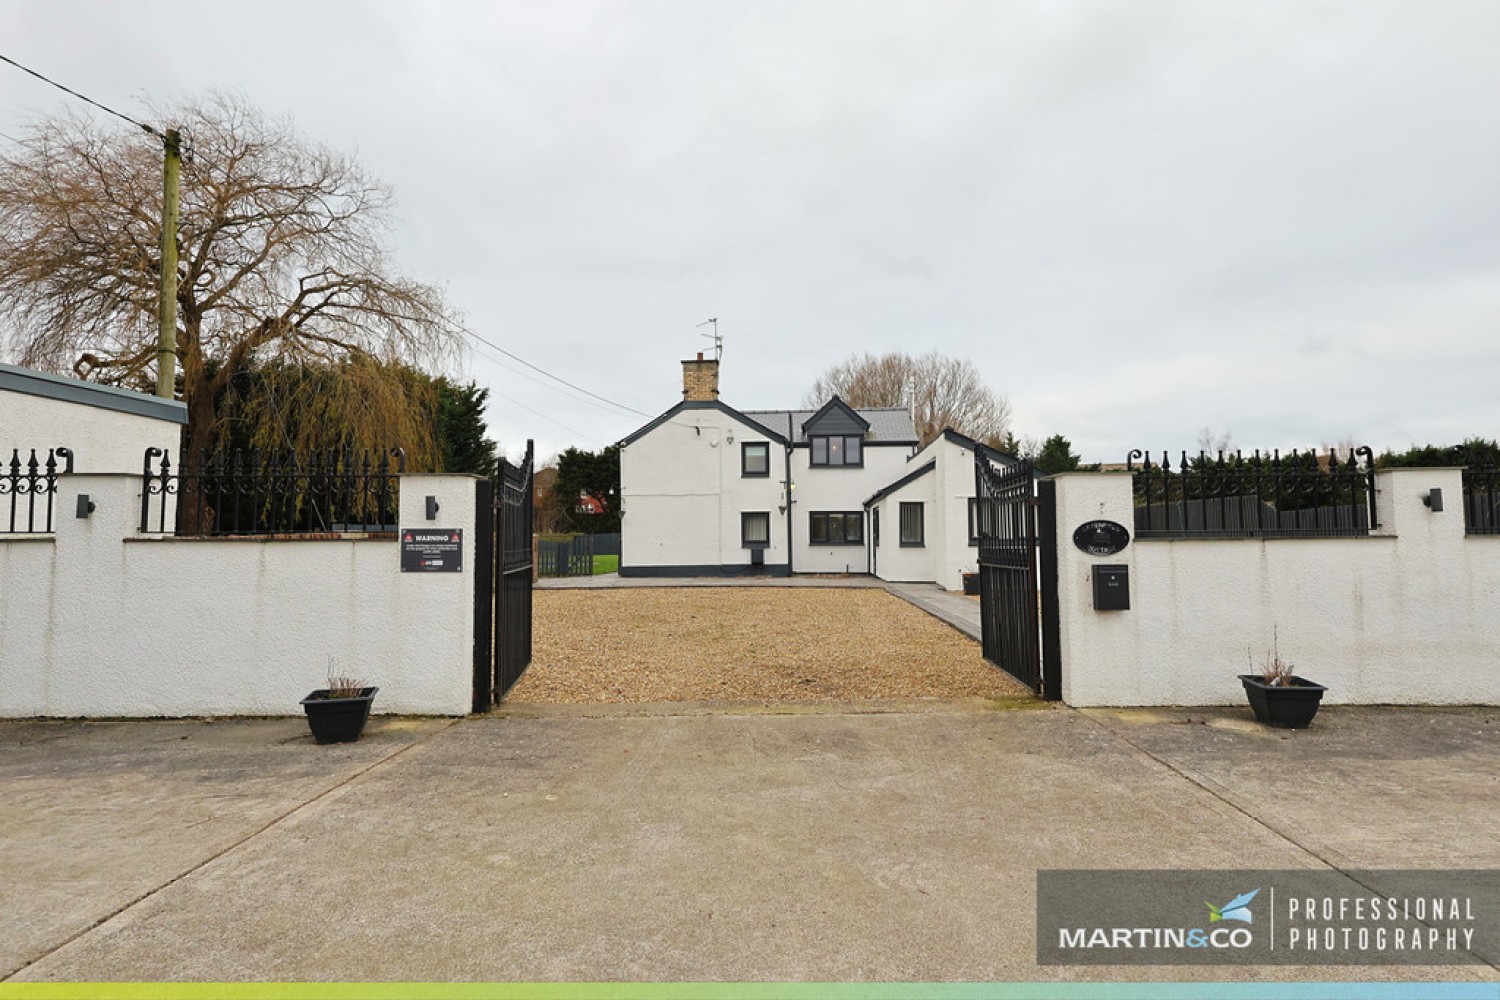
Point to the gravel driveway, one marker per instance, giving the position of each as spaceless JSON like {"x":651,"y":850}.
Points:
{"x":747,"y":644}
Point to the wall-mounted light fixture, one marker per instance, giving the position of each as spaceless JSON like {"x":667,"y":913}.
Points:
{"x":1434,"y":499}
{"x":432,"y":508}
{"x":85,"y":506}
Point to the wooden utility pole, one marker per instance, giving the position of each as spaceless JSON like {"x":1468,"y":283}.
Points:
{"x":166,"y":305}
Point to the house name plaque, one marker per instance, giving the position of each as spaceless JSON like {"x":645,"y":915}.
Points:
{"x":1101,"y":538}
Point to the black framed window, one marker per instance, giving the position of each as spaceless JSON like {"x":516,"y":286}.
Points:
{"x":839,"y":527}
{"x":913,"y":529}
{"x":837,"y":449}
{"x":755,"y":458}
{"x":982,"y":521}
{"x":755,"y":529}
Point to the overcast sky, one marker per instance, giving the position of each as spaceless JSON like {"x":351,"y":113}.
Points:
{"x":1276,"y":220}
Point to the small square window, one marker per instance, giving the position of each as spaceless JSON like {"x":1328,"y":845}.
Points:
{"x":755,"y":458}
{"x":755,"y":529}
{"x":913,"y":531}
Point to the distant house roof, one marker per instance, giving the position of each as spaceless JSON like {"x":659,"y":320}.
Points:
{"x":72,"y":390}
{"x":888,"y":424}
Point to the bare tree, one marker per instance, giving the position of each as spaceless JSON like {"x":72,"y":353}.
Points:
{"x":1211,"y":442}
{"x":940,"y":391}
{"x":282,"y":262}
{"x":1341,"y":450}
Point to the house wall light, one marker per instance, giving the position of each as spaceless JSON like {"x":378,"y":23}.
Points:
{"x":1434,"y":500}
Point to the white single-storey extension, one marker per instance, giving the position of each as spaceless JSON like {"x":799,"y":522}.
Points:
{"x":924,"y":525}
{"x":105,"y":429}
{"x":707,"y":489}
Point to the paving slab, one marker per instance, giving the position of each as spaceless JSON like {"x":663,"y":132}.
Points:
{"x":1360,"y":788}
{"x":100,"y":815}
{"x":898,"y":846}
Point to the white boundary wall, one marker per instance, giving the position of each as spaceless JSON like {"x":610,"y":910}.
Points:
{"x":105,"y":621}
{"x":1404,"y":616}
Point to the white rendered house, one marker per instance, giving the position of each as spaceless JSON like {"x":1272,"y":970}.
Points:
{"x":707,"y":490}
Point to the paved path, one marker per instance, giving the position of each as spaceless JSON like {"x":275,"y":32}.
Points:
{"x":957,"y":610}
{"x":808,"y":846}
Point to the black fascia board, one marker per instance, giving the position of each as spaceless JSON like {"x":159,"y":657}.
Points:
{"x":834,"y":403}
{"x":979,"y":446}
{"x":104,"y":397}
{"x":702,"y":404}
{"x":910,"y":477}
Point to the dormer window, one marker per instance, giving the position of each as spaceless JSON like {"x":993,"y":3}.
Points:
{"x":836,"y":436}
{"x":837,"y":449}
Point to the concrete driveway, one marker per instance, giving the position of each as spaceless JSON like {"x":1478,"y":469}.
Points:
{"x":688,"y":843}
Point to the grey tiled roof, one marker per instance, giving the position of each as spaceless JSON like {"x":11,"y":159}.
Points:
{"x":887,"y":423}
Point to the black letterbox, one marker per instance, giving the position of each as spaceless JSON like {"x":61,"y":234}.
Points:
{"x":1111,"y":588}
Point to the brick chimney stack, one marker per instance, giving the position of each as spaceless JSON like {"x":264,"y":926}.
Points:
{"x":700,"y":379}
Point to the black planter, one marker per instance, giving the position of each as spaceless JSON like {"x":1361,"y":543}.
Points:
{"x":1285,"y":706}
{"x":338,"y":720}
{"x":971,"y":583}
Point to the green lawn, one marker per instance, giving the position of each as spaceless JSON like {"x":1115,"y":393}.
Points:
{"x":606,"y":564}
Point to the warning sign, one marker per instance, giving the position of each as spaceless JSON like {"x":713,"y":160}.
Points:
{"x":432,"y":550}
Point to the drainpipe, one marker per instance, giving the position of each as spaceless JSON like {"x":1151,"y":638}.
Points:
{"x":869,"y":542}
{"x":789,"y":567}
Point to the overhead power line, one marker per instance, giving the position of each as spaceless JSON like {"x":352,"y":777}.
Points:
{"x":549,"y":419}
{"x":566,"y":394}
{"x":620,"y":406}
{"x":536,"y":368}
{"x":82,"y":97}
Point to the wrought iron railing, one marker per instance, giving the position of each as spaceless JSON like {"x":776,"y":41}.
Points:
{"x":28,"y":488}
{"x":1254,"y":496}
{"x":278,"y":494}
{"x":1001,"y":513}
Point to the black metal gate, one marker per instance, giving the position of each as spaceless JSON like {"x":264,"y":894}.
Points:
{"x":502,"y":581}
{"x":1016,"y":522}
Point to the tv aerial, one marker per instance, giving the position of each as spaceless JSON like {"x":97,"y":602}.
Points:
{"x":715,"y":336}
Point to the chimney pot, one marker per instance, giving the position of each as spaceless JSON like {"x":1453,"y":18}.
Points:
{"x":700,"y":355}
